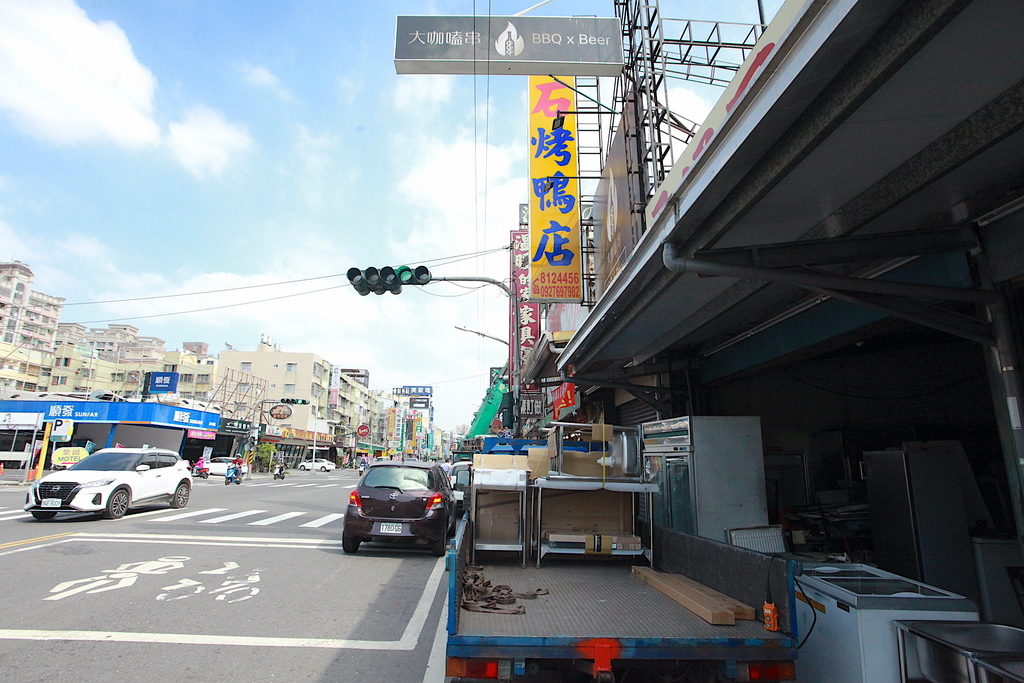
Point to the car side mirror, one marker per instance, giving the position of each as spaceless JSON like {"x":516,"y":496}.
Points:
{"x":142,"y":468}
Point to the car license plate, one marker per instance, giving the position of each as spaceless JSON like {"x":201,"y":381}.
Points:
{"x":388,"y":528}
{"x":52,"y":502}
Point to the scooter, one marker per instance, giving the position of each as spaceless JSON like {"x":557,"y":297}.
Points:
{"x":279,"y":472}
{"x":234,"y":474}
{"x":201,"y":472}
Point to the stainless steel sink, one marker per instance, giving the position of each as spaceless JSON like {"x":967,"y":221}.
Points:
{"x":946,"y":649}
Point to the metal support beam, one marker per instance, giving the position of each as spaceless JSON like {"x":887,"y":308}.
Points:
{"x":837,"y":250}
{"x":641,"y":392}
{"x":962,"y":326}
{"x":815,"y":280}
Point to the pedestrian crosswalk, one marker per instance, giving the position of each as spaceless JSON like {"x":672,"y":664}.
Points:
{"x":215,"y":515}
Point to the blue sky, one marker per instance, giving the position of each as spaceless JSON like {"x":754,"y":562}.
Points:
{"x":164,"y":147}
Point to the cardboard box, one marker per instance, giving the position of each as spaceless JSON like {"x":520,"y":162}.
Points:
{"x":581,"y":464}
{"x":499,"y":461}
{"x":497,"y":516}
{"x":606,"y":511}
{"x":538,"y":461}
{"x":601,"y":432}
{"x":594,"y":543}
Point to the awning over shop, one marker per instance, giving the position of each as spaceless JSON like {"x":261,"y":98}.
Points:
{"x":828,"y":154}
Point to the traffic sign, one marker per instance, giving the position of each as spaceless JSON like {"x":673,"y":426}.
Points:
{"x":363,"y":431}
{"x":62,"y":430}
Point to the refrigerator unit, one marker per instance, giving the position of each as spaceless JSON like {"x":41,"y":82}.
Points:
{"x":710,"y":472}
{"x":923,"y":500}
{"x":850,"y":635}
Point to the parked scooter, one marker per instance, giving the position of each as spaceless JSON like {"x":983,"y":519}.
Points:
{"x":234,"y":474}
{"x":279,"y":471}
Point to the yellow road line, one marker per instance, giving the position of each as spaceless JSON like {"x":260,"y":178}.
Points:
{"x":37,"y":540}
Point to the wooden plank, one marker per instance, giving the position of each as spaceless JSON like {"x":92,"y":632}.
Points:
{"x":704,"y":607}
{"x":741,"y":610}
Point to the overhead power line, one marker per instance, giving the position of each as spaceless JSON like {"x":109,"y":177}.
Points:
{"x":443,"y":261}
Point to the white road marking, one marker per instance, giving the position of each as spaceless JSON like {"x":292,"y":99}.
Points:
{"x":227,"y":518}
{"x":194,"y":513}
{"x":327,"y":486}
{"x":278,"y":518}
{"x":274,"y":486}
{"x":15,"y":515}
{"x":302,"y":486}
{"x":323,"y":520}
{"x":408,"y":641}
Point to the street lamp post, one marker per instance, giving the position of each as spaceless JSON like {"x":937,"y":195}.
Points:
{"x":517,"y":358}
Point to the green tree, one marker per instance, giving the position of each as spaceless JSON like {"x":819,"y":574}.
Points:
{"x":264,"y":455}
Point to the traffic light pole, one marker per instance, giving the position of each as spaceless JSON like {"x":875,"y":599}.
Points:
{"x":517,"y":353}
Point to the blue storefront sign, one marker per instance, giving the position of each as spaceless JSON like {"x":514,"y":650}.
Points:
{"x":155,"y":414}
{"x":163,"y":382}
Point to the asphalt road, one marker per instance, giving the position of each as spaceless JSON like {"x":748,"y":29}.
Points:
{"x":246,"y":583}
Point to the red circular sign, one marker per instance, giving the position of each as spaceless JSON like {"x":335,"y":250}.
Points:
{"x":363,"y":431}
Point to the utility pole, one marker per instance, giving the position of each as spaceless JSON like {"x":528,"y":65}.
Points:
{"x":517,"y":353}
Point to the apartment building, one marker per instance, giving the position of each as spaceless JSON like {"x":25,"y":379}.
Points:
{"x":28,"y":319}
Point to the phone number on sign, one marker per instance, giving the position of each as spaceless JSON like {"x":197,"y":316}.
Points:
{"x":557,"y":279}
{"x":556,"y":292}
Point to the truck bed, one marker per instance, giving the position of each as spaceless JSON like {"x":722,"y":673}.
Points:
{"x":595,"y":598}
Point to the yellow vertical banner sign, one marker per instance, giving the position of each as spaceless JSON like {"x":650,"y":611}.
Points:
{"x":555,"y":259}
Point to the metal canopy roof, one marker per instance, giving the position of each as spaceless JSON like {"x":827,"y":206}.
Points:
{"x":880,"y":117}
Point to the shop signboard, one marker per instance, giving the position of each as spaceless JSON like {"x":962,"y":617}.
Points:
{"x":517,"y":45}
{"x":555,"y":245}
{"x":229,"y":426}
{"x":163,"y":382}
{"x":25,"y":421}
{"x":108,"y":412}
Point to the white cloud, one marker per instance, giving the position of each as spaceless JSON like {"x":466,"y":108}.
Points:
{"x":68,"y":80}
{"x":417,"y":91}
{"x":204,"y":142}
{"x":262,"y":78}
{"x":689,"y":104}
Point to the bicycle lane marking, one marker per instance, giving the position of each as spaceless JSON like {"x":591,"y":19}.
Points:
{"x":407,"y":642}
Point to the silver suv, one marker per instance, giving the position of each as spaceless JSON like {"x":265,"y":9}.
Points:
{"x":112,"y":480}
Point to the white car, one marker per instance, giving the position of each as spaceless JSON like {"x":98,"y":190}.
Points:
{"x":111,"y":481}
{"x":317,"y":464}
{"x":219,"y":466}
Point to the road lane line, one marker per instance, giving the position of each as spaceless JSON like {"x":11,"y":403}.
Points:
{"x":203,"y":639}
{"x":16,"y":515}
{"x":194,"y":513}
{"x":302,"y":486}
{"x":408,"y":641}
{"x":323,"y":520}
{"x":228,"y":518}
{"x":36,"y":540}
{"x":327,"y":486}
{"x":274,"y":520}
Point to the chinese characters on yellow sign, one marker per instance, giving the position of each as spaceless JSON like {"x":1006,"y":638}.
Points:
{"x":555,"y":271}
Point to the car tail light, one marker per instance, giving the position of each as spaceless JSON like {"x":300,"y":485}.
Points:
{"x":458,"y":667}
{"x":767,"y":671}
{"x":435,"y":502}
{"x":354,"y":499}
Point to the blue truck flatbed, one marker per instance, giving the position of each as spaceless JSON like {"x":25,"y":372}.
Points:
{"x":599,"y":619}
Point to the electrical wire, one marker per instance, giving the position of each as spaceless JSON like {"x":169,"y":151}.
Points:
{"x":814,"y":613}
{"x":441,"y":261}
{"x":212,"y":308}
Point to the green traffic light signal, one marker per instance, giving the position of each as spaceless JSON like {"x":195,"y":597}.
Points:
{"x":295,"y":401}
{"x":387,"y":279}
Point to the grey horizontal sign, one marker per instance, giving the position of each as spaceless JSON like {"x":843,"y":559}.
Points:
{"x":524,"y":46}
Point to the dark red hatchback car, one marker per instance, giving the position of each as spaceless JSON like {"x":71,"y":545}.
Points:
{"x":401,"y":499}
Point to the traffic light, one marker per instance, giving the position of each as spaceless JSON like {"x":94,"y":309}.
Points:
{"x":296,"y":401}
{"x":387,"y":279}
